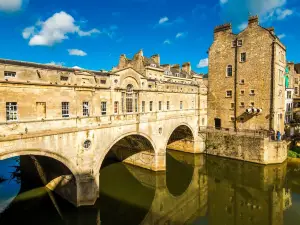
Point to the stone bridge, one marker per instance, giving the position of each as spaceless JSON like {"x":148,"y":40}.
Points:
{"x":82,"y":144}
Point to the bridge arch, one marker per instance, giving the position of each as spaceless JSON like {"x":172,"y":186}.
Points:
{"x":56,"y":172}
{"x":182,"y":131}
{"x":137,"y":137}
{"x":41,"y":152}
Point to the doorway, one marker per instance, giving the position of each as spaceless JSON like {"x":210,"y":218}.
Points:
{"x":218,"y":123}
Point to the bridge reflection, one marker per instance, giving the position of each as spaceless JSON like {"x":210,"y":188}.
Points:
{"x":195,"y":189}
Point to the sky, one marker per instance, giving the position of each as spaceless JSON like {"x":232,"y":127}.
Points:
{"x":92,"y":34}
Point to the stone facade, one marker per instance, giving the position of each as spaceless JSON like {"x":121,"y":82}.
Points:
{"x":246,"y":71}
{"x":78,"y":117}
{"x":294,"y":75}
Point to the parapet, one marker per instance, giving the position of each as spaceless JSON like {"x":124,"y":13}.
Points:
{"x":223,"y":27}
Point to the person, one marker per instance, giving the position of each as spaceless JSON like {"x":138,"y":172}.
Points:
{"x":278,"y":135}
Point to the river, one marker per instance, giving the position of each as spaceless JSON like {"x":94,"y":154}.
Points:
{"x":195,"y":189}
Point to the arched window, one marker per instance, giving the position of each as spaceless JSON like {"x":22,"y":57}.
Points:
{"x":229,"y":71}
{"x":131,"y":99}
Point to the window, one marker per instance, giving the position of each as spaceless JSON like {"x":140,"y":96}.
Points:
{"x":243,"y":57}
{"x":234,"y":44}
{"x":159,"y":105}
{"x":252,"y":92}
{"x":232,"y":105}
{"x":103,"y":81}
{"x":242,"y":81}
{"x":242,"y":92}
{"x":232,"y":118}
{"x":85,"y":109}
{"x":296,"y":90}
{"x":65,"y":109}
{"x":11,"y":111}
{"x":143,"y":106}
{"x":252,"y":104}
{"x":9,"y":74}
{"x":149,"y":86}
{"x":64,"y":78}
{"x":296,"y":80}
{"x":168,"y":105}
{"x":228,"y":94}
{"x":181,"y":105}
{"x":289,"y":95}
{"x":229,"y":71}
{"x":129,"y":98}
{"x":280,"y":77}
{"x":242,"y":104}
{"x":239,"y":43}
{"x":103,"y":108}
{"x":150,"y":106}
{"x":136,"y":102}
{"x":116,"y":107}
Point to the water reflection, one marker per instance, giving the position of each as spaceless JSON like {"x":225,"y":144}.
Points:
{"x":195,"y":189}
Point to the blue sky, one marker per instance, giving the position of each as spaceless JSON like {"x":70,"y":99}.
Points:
{"x":92,"y":34}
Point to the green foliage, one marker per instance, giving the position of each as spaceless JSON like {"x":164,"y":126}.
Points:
{"x":293,"y":154}
{"x":296,"y":149}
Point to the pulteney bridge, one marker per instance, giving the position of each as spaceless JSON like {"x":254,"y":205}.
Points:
{"x":81,"y":145}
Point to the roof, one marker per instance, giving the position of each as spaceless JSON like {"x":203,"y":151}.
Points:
{"x":50,"y":67}
{"x":149,"y":61}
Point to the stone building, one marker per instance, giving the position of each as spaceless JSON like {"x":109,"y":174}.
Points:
{"x":294,"y":72}
{"x":246,"y":78}
{"x":31,"y":91}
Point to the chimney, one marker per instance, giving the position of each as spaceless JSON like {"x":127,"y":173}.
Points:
{"x":122,"y":61}
{"x":222,"y":29}
{"x":253,"y":20}
{"x":166,"y":66}
{"x":186,"y":67}
{"x":156,"y":59}
{"x":271,"y":29}
{"x":176,"y":66}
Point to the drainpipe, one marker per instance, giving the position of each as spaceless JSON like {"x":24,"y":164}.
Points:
{"x":272,"y":87}
{"x":235,"y":85}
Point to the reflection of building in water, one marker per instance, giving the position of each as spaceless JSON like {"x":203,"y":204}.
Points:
{"x":185,"y":206}
{"x":287,"y":198}
{"x":244,"y":193}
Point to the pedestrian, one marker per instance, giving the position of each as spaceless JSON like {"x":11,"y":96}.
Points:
{"x":278,"y":135}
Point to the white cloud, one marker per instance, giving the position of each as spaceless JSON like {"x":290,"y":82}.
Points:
{"x":167,"y":42}
{"x":10,"y":5}
{"x":163,"y":20}
{"x":280,"y":36}
{"x":77,"y":68}
{"x":181,"y":35}
{"x":88,"y":33}
{"x":203,"y":63}
{"x":281,"y":14}
{"x":27,"y":32}
{"x":55,"y":63}
{"x":54,"y":30}
{"x":237,"y":10}
{"x":77,"y":52}
{"x":222,"y":2}
{"x":243,"y":26}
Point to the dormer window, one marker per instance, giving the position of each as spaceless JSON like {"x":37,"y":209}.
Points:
{"x":153,"y":65}
{"x":9,"y":74}
{"x":177,"y":74}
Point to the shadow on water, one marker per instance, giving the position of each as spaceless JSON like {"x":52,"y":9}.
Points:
{"x":179,"y":173}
